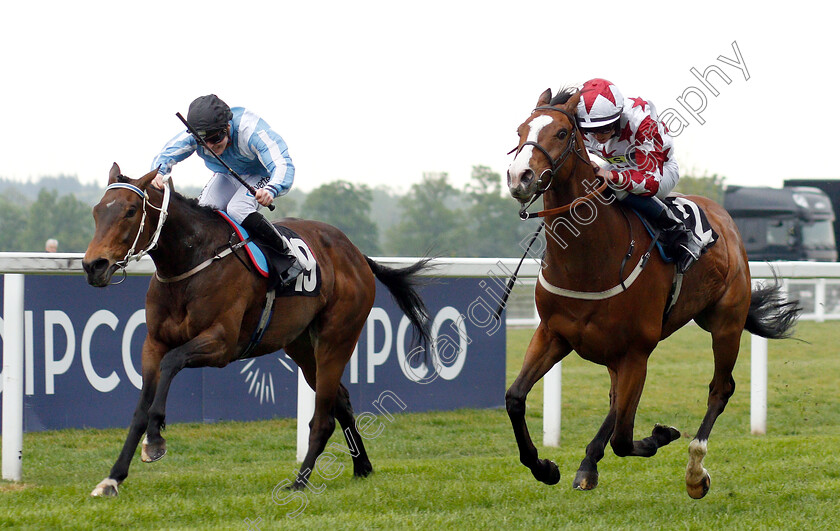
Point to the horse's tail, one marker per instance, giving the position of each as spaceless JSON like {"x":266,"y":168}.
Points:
{"x":770,"y":315}
{"x":403,"y":284}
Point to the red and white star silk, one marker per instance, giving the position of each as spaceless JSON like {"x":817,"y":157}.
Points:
{"x":642,"y":152}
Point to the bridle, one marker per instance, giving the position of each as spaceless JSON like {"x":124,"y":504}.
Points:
{"x":163,"y":210}
{"x":571,"y":147}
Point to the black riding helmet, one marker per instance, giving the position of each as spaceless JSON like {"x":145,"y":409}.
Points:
{"x":208,"y":114}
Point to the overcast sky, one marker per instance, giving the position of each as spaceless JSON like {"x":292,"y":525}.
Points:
{"x":380,"y":92}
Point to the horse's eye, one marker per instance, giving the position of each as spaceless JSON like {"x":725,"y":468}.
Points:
{"x":562,"y":134}
{"x":131,"y":212}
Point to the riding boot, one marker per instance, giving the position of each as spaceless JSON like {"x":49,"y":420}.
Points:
{"x":262,"y":229}
{"x":679,"y":239}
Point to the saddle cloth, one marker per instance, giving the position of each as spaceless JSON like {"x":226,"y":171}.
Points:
{"x":694,"y":219}
{"x":307,"y":284}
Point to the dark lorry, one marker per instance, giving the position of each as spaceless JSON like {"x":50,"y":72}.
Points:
{"x":791,"y":223}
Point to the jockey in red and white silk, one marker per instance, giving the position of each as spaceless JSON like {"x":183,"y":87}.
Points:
{"x":641,"y":168}
{"x":639,"y":152}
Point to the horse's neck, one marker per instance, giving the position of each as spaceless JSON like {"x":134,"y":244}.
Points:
{"x":185,"y":240}
{"x":589,"y":236}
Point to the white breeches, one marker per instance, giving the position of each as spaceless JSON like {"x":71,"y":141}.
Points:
{"x":224,"y":192}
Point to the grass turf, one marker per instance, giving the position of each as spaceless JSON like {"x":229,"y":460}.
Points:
{"x":461,"y":468}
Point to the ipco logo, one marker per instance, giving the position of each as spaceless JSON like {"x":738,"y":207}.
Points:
{"x":446,"y":355}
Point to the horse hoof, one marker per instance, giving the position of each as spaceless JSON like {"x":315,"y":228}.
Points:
{"x":107,"y":488}
{"x":697,"y":479}
{"x":153,"y":452}
{"x":700,"y":489}
{"x":363,"y":471}
{"x":547,"y":472}
{"x":665,"y":434}
{"x":585,"y":480}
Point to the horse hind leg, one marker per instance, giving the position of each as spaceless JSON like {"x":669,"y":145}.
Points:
{"x":329,"y":370}
{"x":587,"y":474}
{"x":726,"y":342}
{"x":344,"y":415}
{"x":544,"y":351}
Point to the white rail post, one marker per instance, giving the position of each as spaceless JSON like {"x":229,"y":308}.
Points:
{"x":819,"y":300}
{"x":13,"y":336}
{"x":758,"y":385}
{"x":305,"y":411}
{"x":552,"y":407}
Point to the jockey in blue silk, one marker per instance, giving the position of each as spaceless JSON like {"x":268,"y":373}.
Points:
{"x":253,"y":150}
{"x":639,"y":152}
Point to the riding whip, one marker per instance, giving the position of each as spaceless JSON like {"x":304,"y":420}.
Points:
{"x":203,"y":144}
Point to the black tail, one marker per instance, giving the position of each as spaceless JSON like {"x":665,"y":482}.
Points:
{"x":403,"y":284}
{"x":770,"y":315}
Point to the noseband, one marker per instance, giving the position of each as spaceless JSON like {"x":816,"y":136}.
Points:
{"x":571,"y":147}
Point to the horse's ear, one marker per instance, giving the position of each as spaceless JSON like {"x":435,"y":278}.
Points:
{"x":572,"y":104}
{"x":114,"y":173}
{"x":144,"y":181}
{"x":545,"y":97}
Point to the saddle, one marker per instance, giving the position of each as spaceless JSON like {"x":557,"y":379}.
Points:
{"x":704,"y":236}
{"x":694,"y":219}
{"x":268,"y":261}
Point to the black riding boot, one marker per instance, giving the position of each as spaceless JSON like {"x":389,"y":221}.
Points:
{"x":680,"y":240}
{"x":677,"y":238}
{"x":261,"y":228}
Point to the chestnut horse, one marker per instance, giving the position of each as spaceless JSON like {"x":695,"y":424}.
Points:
{"x":207,"y":318}
{"x":588,"y":303}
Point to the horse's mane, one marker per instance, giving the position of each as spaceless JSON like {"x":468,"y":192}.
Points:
{"x":563,"y":95}
{"x":192,"y":203}
{"x":189,"y":202}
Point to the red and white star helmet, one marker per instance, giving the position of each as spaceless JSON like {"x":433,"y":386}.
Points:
{"x":600,"y":104}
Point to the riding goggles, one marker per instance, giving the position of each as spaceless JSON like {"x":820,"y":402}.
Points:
{"x":214,"y":137}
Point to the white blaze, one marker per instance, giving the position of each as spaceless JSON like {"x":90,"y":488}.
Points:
{"x":523,"y":158}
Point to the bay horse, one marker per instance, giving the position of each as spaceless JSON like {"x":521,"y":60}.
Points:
{"x":207,"y":318}
{"x":587,"y":303}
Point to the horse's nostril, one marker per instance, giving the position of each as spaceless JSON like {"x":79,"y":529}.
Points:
{"x":96,"y":266}
{"x":527,"y":177}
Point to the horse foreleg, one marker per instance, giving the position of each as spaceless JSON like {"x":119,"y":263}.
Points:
{"x":544,"y":351}
{"x":109,"y":486}
{"x":629,"y":385}
{"x":587,"y":474}
{"x":199,"y":352}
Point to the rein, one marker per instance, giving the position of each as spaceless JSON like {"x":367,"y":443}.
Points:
{"x":571,"y":147}
{"x":152,"y":245}
{"x":562,"y":209}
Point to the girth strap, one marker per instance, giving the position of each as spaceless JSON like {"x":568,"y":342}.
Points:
{"x":265,"y":318}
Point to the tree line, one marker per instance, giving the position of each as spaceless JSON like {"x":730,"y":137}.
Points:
{"x":433,"y":218}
